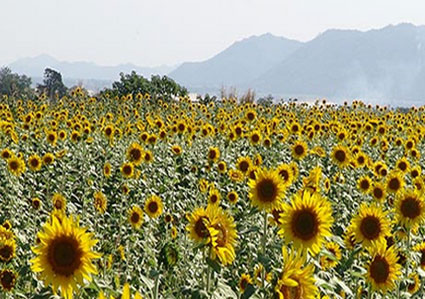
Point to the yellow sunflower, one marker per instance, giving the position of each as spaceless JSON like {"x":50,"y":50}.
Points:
{"x":267,"y":191}
{"x":378,"y":192}
{"x":34,"y":162}
{"x":306,"y":221}
{"x":330,"y":261}
{"x":341,"y":156}
{"x":16,"y":165}
{"x":7,"y":279}
{"x":285,"y":172}
{"x":232,"y":197}
{"x":127,"y":169}
{"x":415,"y":284}
{"x":214,"y":196}
{"x":371,"y":224}
{"x":7,"y":249}
{"x":213,"y":154}
{"x":296,"y":279}
{"x":135,"y":216}
{"x":154,"y":206}
{"x":135,"y":153}
{"x":236,"y":175}
{"x":197,"y":226}
{"x":244,"y":164}
{"x":100,"y":202}
{"x":395,"y":182}
{"x":383,"y":269}
{"x":49,"y":158}
{"x":299,"y":150}
{"x":107,"y":169}
{"x":222,"y":235}
{"x":364,"y":184}
{"x":59,"y":201}
{"x":410,"y":208}
{"x":64,"y":255}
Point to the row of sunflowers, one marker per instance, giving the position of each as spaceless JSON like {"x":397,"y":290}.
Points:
{"x":139,"y":198}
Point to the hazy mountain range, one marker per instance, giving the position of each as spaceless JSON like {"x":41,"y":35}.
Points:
{"x":382,"y":64}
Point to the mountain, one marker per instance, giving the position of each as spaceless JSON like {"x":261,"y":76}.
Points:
{"x":241,"y":62}
{"x":81,"y":71}
{"x":386,"y":63}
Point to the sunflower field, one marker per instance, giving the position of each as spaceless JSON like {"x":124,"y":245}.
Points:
{"x":133,"y":197}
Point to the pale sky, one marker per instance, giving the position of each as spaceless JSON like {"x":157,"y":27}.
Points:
{"x":150,"y":33}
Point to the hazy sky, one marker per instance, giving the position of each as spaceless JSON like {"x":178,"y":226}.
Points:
{"x":156,"y":32}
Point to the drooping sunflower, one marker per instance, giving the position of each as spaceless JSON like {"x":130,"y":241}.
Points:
{"x":16,"y":165}
{"x":341,"y":156}
{"x":394,"y":182}
{"x":7,"y":279}
{"x":100,"y":202}
{"x":410,"y":208}
{"x":34,"y":162}
{"x":135,"y":216}
{"x":127,"y":169}
{"x":222,"y":235}
{"x":383,"y":269}
{"x":413,"y":287}
{"x":296,"y":279}
{"x":267,"y":191}
{"x":135,"y":153}
{"x":306,"y":221}
{"x":244,"y":281}
{"x":330,"y":261}
{"x":64,"y":255}
{"x":154,"y":206}
{"x":371,"y":224}
{"x":299,"y":150}
{"x":49,"y":158}
{"x":236,"y":175}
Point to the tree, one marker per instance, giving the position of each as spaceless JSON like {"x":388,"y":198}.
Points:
{"x":52,"y":85}
{"x":12,"y":84}
{"x":158,"y":87}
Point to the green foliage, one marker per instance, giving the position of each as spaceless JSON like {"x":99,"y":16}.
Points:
{"x":52,"y":85}
{"x":158,"y":87}
{"x":12,"y":84}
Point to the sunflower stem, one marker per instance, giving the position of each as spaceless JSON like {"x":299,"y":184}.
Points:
{"x":263,"y":252}
{"x":408,"y":248}
{"x":369,"y":291}
{"x":156,"y":287}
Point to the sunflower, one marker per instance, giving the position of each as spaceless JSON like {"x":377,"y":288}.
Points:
{"x":222,"y":235}
{"x":48,"y":159}
{"x":214,"y":196}
{"x":371,"y":224}
{"x":330,"y":261}
{"x":296,"y":280}
{"x":36,"y":203}
{"x":267,"y":191}
{"x":197,"y":226}
{"x":153,"y":206}
{"x":64,"y":255}
{"x":236,"y":175}
{"x":222,"y":167}
{"x":378,"y":192}
{"x":7,"y":249}
{"x":16,"y":165}
{"x":364,"y":184}
{"x":6,"y":153}
{"x":34,"y":162}
{"x":250,"y":115}
{"x":52,"y":137}
{"x":383,"y":269}
{"x":176,"y":150}
{"x":395,"y":182}
{"x":7,"y":279}
{"x":244,"y":164}
{"x":403,"y":165}
{"x":100,"y":202}
{"x":135,"y":153}
{"x":213,"y":154}
{"x":59,"y":202}
{"x":410,"y":208}
{"x":244,"y":281}
{"x":341,"y":156}
{"x":232,"y":197}
{"x":127,"y":169}
{"x":255,"y":137}
{"x":414,"y":285}
{"x":148,"y":156}
{"x":306,"y":221}
{"x":285,"y":172}
{"x":107,"y":169}
{"x":135,"y":217}
{"x":299,"y":150}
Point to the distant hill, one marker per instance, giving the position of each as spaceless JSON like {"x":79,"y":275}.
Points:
{"x":241,"y":62}
{"x":94,"y":75}
{"x":383,"y":64}
{"x":386,"y":64}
